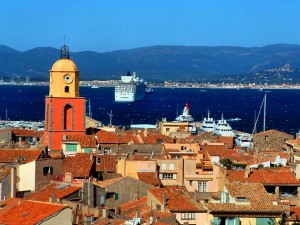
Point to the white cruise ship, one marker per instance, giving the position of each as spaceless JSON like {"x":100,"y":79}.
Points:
{"x":130,"y":88}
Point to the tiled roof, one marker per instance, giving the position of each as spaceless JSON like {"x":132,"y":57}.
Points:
{"x":27,"y":212}
{"x":107,"y":163}
{"x":86,"y":141}
{"x":178,"y":199}
{"x":106,"y":183}
{"x":105,"y":221}
{"x":271,"y":176}
{"x":59,"y":190}
{"x":4,"y":172}
{"x":106,"y":137}
{"x":27,"y":133}
{"x":272,"y":131}
{"x":129,"y":209}
{"x":295,"y":213}
{"x":10,"y":156}
{"x":253,"y":194}
{"x":149,"y":178}
{"x":79,"y":165}
{"x":155,"y":138}
{"x":214,"y":150}
{"x":264,"y":156}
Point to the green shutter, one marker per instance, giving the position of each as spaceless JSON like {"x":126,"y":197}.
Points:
{"x":216,"y":220}
{"x":70,"y":147}
{"x":264,"y":221}
{"x":88,"y":150}
{"x":237,"y":221}
{"x":116,"y":196}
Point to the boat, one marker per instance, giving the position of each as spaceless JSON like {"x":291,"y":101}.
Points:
{"x":222,"y":128}
{"x":185,"y":116}
{"x":130,"y":88}
{"x":208,"y":124}
{"x":94,"y":86}
{"x":148,"y":90}
{"x":243,"y":140}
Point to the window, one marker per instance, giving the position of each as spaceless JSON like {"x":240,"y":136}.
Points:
{"x":183,"y":148}
{"x":48,"y":170}
{"x":167,"y":129}
{"x":167,"y":176}
{"x":163,"y":166}
{"x":187,"y":216}
{"x":68,"y":117}
{"x":202,"y":186}
{"x":71,"y":147}
{"x":171,"y":166}
{"x":107,"y":150}
{"x":266,"y":138}
{"x":67,"y":89}
{"x":158,"y":207}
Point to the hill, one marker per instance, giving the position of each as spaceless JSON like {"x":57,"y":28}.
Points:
{"x":157,"y":63}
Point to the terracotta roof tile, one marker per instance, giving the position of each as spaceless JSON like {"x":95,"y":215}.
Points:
{"x":80,"y":165}
{"x":4,"y":172}
{"x":10,"y":156}
{"x":129,"y":209}
{"x":59,"y":190}
{"x":86,"y":141}
{"x":105,"y":221}
{"x":27,"y":133}
{"x":107,"y":163}
{"x":149,"y":178}
{"x":271,"y":176}
{"x":253,"y":194}
{"x":28,"y":212}
{"x":178,"y":199}
{"x":106,"y":183}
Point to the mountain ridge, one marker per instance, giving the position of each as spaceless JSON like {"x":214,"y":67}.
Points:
{"x":154,"y":63}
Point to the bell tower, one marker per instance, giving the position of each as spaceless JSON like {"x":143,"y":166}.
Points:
{"x":64,"y":109}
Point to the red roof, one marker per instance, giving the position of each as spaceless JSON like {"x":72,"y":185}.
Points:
{"x":130,"y":209}
{"x":149,"y":178}
{"x":27,"y":133}
{"x":59,"y":190}
{"x":214,"y":150}
{"x":107,"y":163}
{"x":24,"y":212}
{"x":79,"y":165}
{"x":274,"y":176}
{"x":108,"y":182}
{"x":86,"y":141}
{"x":178,"y":199}
{"x":11,"y":156}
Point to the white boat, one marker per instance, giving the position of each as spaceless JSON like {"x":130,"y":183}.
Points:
{"x":130,"y":88}
{"x":208,"y":124}
{"x":94,"y":86}
{"x":148,"y":90}
{"x":222,"y":128}
{"x":244,"y":140}
{"x":185,"y":116}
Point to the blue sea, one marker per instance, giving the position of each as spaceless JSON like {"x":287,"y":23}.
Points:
{"x":283,"y":106}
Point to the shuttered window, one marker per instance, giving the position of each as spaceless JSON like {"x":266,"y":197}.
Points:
{"x":71,"y":147}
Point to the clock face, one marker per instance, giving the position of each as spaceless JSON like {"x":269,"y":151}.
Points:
{"x":68,"y":79}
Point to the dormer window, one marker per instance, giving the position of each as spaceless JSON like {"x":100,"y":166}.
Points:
{"x":241,"y":199}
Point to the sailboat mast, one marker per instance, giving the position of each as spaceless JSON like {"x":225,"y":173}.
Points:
{"x":265,"y":107}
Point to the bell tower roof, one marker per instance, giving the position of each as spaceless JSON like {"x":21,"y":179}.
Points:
{"x":64,"y":63}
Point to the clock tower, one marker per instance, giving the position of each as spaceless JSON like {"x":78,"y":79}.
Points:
{"x":64,"y":109}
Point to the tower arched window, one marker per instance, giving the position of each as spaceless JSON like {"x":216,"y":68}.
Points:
{"x":67,"y":89}
{"x":68,"y":117}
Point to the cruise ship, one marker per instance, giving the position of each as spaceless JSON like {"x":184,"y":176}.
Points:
{"x":130,"y":88}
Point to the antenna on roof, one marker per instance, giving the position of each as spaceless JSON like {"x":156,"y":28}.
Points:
{"x":110,"y":118}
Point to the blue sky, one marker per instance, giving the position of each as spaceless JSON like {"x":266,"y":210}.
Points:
{"x":108,"y":25}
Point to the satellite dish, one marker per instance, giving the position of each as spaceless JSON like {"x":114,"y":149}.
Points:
{"x":151,"y":220}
